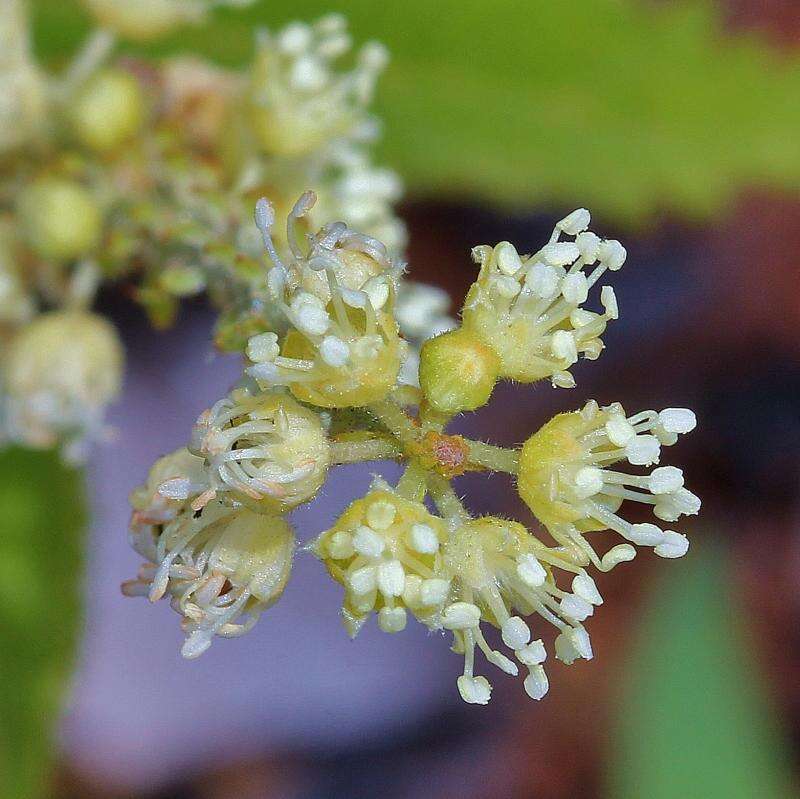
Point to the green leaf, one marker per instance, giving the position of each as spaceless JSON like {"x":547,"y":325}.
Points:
{"x":41,"y":557}
{"x":619,"y":105}
{"x":694,"y":720}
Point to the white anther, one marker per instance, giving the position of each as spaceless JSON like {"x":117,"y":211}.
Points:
{"x":340,"y":545}
{"x":621,"y":553}
{"x":461,"y":616}
{"x":533,"y":654}
{"x":562,"y":380}
{"x":584,"y":587}
{"x":381,"y":514}
{"x":368,"y":543}
{"x":575,"y":607}
{"x":263,"y":347}
{"x":612,"y":254}
{"x":412,"y":590}
{"x":507,"y":258}
{"x":675,"y":545}
{"x":308,"y":74}
{"x":677,"y":420}
{"x":666,"y":480}
{"x":505,"y":286}
{"x":619,"y":430}
{"x":310,"y":316}
{"x":608,"y":299}
{"x":294,"y":38}
{"x":643,"y":450}
{"x":377,"y":289}
{"x":573,"y":644}
{"x":434,"y":591}
{"x":576,"y":222}
{"x":334,"y":351}
{"x":646,"y":534}
{"x":588,"y":481}
{"x":588,"y":245}
{"x":560,"y":253}
{"x":530,"y":571}
{"x":475,"y":690}
{"x":515,"y":633}
{"x":264,"y":215}
{"x":536,"y":683}
{"x":563,"y":346}
{"x":422,"y":538}
{"x":363,"y":581}
{"x":391,"y":578}
{"x":580,"y":317}
{"x":265,"y":373}
{"x":682,"y":502}
{"x":354,"y":298}
{"x":543,"y":280}
{"x":392,"y":620}
{"x":575,"y":288}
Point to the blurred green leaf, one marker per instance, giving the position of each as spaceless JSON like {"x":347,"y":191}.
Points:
{"x":41,"y":556}
{"x":619,"y":105}
{"x":694,"y":717}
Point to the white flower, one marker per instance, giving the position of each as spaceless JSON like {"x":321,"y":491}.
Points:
{"x":529,"y":308}
{"x":300,"y":101}
{"x":568,"y":478}
{"x":62,"y":370}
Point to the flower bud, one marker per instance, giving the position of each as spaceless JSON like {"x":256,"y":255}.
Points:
{"x":383,"y":549}
{"x":60,"y":219}
{"x":108,"y":110}
{"x":222,"y":567}
{"x":61,"y":372}
{"x":457,"y":372}
{"x":568,"y":478}
{"x":267,"y":449}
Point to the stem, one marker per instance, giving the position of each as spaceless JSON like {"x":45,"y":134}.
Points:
{"x":358,"y":451}
{"x":413,"y":483}
{"x":407,"y":395}
{"x":93,"y":52}
{"x":497,"y":459}
{"x":446,"y":499}
{"x":396,"y":421}
{"x":431,"y":419}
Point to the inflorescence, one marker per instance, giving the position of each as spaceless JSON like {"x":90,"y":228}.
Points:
{"x":331,"y":384}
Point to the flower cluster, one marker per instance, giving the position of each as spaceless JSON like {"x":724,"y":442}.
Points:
{"x":332,"y":383}
{"x":120,"y":168}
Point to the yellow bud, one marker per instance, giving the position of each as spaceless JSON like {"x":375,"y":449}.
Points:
{"x":457,"y":372}
{"x":553,"y":447}
{"x":61,"y":371}
{"x":108,"y":111}
{"x":60,"y":218}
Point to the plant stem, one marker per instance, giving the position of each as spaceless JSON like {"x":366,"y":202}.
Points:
{"x":446,"y":499}
{"x":358,"y":451}
{"x":498,"y":459}
{"x":413,"y":484}
{"x":93,"y":52}
{"x":396,"y":421}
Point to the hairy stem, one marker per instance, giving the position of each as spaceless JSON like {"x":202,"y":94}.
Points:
{"x":358,"y":451}
{"x":396,"y":421}
{"x":413,"y":484}
{"x":497,"y":459}
{"x":446,"y":499}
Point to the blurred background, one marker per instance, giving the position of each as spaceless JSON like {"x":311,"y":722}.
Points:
{"x":677,"y":124}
